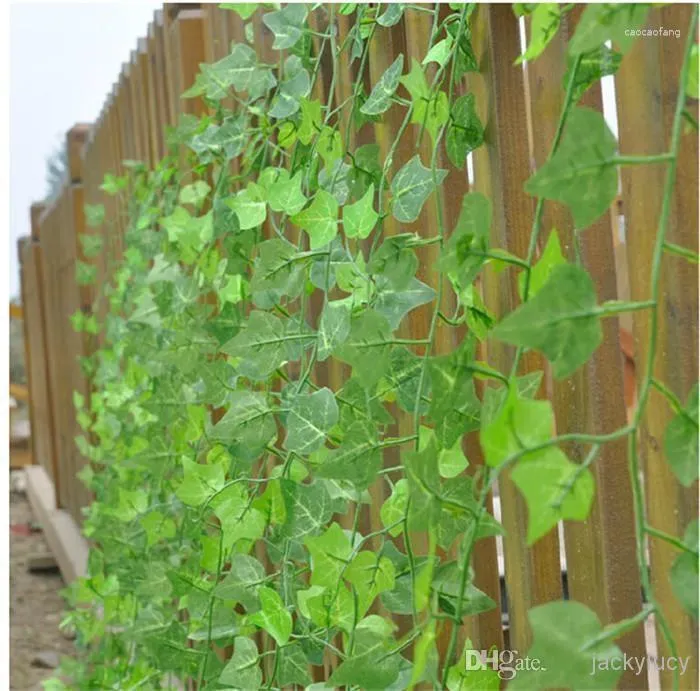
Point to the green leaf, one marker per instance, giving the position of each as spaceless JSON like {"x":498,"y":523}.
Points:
{"x":684,"y":572}
{"x":410,"y":188}
{"x":329,"y":145}
{"x":320,"y":219}
{"x":380,"y":97}
{"x":395,"y":304}
{"x":243,"y":671}
{"x":463,"y":254}
{"x":367,"y":348}
{"x":692,"y":81}
{"x":608,"y":22}
{"x":286,"y":24}
{"x":392,"y":15}
{"x":465,"y":132}
{"x":440,"y":52}
{"x":232,"y":289}
{"x":245,"y":10}
{"x":94,"y":215}
{"x":242,"y":582}
{"x":520,"y":423}
{"x":285,"y":195}
{"x":681,"y":441}
{"x":357,"y":460}
{"x":278,"y":272}
{"x":551,"y":258}
{"x":581,"y":173}
{"x":273,"y":616}
{"x":454,"y":407}
{"x":310,"y":418}
{"x":592,"y":67}
{"x":394,"y":508}
{"x":293,"y":667}
{"x":329,"y":556}
{"x":296,"y":85}
{"x":248,"y":423}
{"x":562,"y":632}
{"x":308,"y":508}
{"x":561,"y":321}
{"x":333,"y":328}
{"x":370,"y":575}
{"x":543,"y":28}
{"x":199,"y":482}
{"x":311,"y":120}
{"x":249,"y":206}
{"x":260,"y":345}
{"x":360,"y":218}
{"x":194,"y":193}
{"x":555,"y":489}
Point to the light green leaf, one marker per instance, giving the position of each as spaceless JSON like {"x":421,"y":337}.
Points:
{"x":194,"y":193}
{"x":380,"y":98}
{"x":370,"y":575}
{"x":555,"y":489}
{"x":329,"y":145}
{"x":394,"y":508}
{"x":199,"y":482}
{"x":286,"y":24}
{"x":94,"y":215}
{"x":311,"y":120}
{"x":248,"y":423}
{"x":562,"y":633}
{"x":592,"y":67}
{"x":310,"y":418}
{"x":232,"y":290}
{"x":410,"y":188}
{"x":308,"y":507}
{"x":249,"y":206}
{"x":260,"y":345}
{"x":520,"y":423}
{"x":551,"y":258}
{"x":285,"y":194}
{"x":273,"y":616}
{"x":681,"y":441}
{"x":395,"y":304}
{"x":561,"y":321}
{"x":543,"y":28}
{"x":293,"y":667}
{"x":242,"y":582}
{"x":333,"y":328}
{"x":440,"y":52}
{"x":367,"y":348}
{"x":243,"y":671}
{"x":360,"y":218}
{"x":320,"y":219}
{"x":329,"y":555}
{"x":581,"y":173}
{"x":392,"y":15}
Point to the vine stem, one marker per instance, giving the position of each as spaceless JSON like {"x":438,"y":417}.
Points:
{"x":645,"y":388}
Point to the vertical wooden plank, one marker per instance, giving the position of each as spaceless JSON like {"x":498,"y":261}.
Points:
{"x":600,"y":549}
{"x":647,"y":88}
{"x":533,"y":575}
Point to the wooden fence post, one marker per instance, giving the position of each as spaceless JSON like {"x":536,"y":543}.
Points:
{"x":501,"y":166}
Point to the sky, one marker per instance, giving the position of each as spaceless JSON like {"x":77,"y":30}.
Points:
{"x":64,"y":58}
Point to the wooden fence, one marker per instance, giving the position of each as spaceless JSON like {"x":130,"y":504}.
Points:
{"x":520,"y":108}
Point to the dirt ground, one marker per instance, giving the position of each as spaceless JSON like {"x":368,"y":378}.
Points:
{"x":36,"y":608}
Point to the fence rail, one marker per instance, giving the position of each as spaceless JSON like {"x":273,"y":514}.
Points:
{"x":520,"y":108}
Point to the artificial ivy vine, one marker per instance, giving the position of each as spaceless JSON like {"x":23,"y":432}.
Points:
{"x":233,"y":475}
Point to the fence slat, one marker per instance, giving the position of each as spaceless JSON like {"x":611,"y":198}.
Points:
{"x":533,"y":575}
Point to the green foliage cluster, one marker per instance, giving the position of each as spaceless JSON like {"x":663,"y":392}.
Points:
{"x":231,"y":480}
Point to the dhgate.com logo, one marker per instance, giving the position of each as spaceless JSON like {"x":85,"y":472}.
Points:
{"x":506,"y":663}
